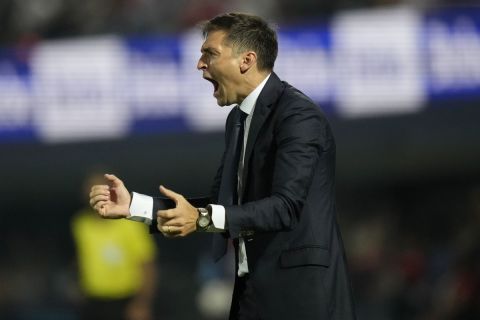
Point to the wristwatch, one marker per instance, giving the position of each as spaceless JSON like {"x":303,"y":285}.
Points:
{"x":204,"y":220}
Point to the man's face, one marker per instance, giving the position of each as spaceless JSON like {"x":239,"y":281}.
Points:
{"x":221,"y":66}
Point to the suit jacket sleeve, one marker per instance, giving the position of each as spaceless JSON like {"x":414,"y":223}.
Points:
{"x":299,"y":137}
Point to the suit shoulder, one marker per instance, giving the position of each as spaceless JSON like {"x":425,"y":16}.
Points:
{"x":294,"y":100}
{"x":296,"y":107}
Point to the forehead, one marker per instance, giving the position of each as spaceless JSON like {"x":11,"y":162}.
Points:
{"x":215,"y":40}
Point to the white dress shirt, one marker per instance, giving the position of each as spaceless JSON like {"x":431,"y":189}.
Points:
{"x":142,"y":205}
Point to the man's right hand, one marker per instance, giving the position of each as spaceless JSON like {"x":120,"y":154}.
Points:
{"x":112,"y":200}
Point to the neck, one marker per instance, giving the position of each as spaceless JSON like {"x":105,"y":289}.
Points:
{"x":251,"y":81}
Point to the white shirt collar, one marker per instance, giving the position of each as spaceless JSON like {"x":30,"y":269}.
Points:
{"x":249,"y":102}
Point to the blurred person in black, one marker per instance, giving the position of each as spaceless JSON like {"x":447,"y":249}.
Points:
{"x":273,"y":194}
{"x":116,"y":265}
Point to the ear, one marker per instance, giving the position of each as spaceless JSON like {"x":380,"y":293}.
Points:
{"x":249,"y":59}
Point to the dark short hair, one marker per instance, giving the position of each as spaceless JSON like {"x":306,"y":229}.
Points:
{"x":247,"y":32}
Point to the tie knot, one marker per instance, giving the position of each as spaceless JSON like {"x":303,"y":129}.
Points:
{"x":241,"y":115}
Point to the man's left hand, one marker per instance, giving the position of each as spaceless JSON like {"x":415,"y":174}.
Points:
{"x":179,"y":221}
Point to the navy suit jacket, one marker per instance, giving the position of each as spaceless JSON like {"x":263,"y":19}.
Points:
{"x":295,"y":257}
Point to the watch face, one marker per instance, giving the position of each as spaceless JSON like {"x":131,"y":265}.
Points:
{"x":203,"y":221}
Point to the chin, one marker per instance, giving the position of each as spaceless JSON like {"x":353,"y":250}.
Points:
{"x":222,"y":103}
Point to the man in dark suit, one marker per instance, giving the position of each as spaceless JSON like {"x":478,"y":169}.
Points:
{"x":273,"y":193}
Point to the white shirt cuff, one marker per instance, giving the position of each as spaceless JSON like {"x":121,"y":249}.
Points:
{"x":141,"y":208}
{"x":218,"y":216}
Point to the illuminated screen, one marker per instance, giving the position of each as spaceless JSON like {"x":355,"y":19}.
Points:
{"x":364,"y":63}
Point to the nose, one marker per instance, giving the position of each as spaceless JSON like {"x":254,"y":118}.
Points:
{"x":201,"y":65}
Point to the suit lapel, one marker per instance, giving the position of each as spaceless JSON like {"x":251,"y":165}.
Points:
{"x":264,"y":105}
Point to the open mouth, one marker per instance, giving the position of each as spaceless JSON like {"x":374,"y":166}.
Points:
{"x":215,"y":84}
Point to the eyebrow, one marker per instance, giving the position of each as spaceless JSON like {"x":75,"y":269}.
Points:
{"x":208,"y":50}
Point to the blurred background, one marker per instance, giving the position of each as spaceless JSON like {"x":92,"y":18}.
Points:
{"x":111,"y":85}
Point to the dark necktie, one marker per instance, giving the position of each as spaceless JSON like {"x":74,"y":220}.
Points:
{"x":228,"y":193}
